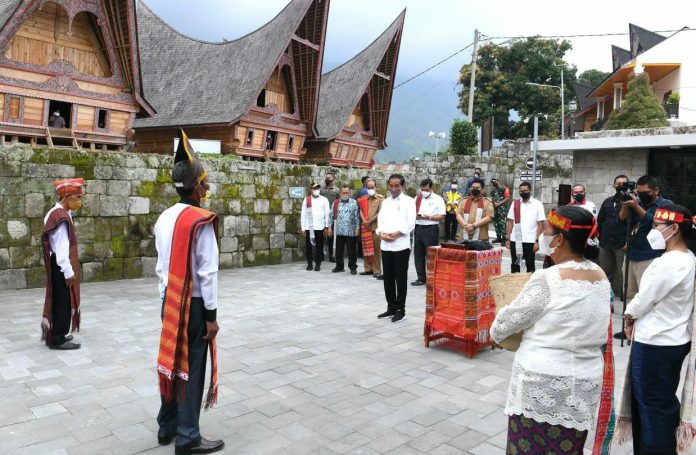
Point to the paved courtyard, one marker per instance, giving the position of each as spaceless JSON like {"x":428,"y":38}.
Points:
{"x":305,"y":367}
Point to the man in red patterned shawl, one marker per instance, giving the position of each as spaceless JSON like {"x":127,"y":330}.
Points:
{"x":59,"y":242}
{"x":187,"y":267}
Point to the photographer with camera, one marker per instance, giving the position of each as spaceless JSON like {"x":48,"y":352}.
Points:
{"x":612,"y":235}
{"x":638,"y":210}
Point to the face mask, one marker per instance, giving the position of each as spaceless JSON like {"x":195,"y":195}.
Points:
{"x":579,"y":198}
{"x":545,"y":244}
{"x":525,"y":196}
{"x":645,"y":198}
{"x":328,"y":182}
{"x":208,"y":195}
{"x":454,"y":186}
{"x":371,"y":192}
{"x":345,"y":198}
{"x":315,"y":193}
{"x":425,"y":194}
{"x":476,"y":192}
{"x":478,"y":174}
{"x":75,"y":205}
{"x":656,"y":241}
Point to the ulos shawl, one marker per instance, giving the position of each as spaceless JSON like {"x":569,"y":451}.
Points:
{"x":368,"y":245}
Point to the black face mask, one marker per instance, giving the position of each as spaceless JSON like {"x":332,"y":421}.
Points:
{"x":475,"y":192}
{"x":328,"y":182}
{"x":525,"y":196}
{"x":579,"y":197}
{"x":645,"y":198}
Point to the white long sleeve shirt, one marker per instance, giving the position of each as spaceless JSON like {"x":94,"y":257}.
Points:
{"x":60,"y":244}
{"x":665,"y":300}
{"x":431,"y":206}
{"x":320,"y":213}
{"x":397,"y":215}
{"x":204,"y":257}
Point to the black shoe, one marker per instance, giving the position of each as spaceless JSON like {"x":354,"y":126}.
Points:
{"x":620,"y":335}
{"x":332,"y":260}
{"x":399,"y":316}
{"x":418,"y":283}
{"x":205,"y":446}
{"x":353,"y":272}
{"x":317,"y":268}
{"x":497,"y":241}
{"x":165,"y":438}
{"x":68,"y":337}
{"x":336,"y":270}
{"x":67,"y":346}
{"x":310,"y":267}
{"x":367,"y":273}
{"x":387,"y":314}
{"x":379,"y":277}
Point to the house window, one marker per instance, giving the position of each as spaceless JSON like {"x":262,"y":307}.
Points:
{"x":59,"y":114}
{"x":271,"y":140}
{"x":261,"y":100}
{"x":14,"y":113}
{"x":600,"y":109}
{"x":291,"y":142}
{"x":249,"y":137}
{"x":102,"y":119}
{"x":617,"y":97}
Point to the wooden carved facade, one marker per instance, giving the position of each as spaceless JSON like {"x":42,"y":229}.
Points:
{"x":79,"y":58}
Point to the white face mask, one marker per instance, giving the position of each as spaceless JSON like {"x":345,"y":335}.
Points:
{"x":453,"y":186}
{"x":315,"y":193}
{"x":545,"y":244}
{"x":656,"y":241}
{"x":425,"y":193}
{"x":371,"y":192}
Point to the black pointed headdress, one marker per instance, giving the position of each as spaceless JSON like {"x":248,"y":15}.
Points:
{"x":188,"y":170}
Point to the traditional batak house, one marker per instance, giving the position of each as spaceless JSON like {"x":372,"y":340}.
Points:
{"x":256,"y":96}
{"x":77,"y":58}
{"x":354,"y":104}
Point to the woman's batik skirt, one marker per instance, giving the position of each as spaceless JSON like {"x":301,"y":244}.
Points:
{"x":529,"y":437}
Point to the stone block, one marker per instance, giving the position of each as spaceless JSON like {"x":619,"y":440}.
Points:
{"x":4,"y":258}
{"x":229,"y":226}
{"x":229,"y":244}
{"x":24,"y":257}
{"x":102,"y":229}
{"x":138,"y":206}
{"x":242,"y":225}
{"x":279,"y":224}
{"x":132,"y":267}
{"x":248,"y":191}
{"x":102,"y":250}
{"x":14,"y":206}
{"x":260,"y":242}
{"x":234,"y":206}
{"x":262,"y":206}
{"x":103,"y":172}
{"x":226,"y":260}
{"x":12,"y":279}
{"x":286,"y":255}
{"x":261,"y":224}
{"x":287,"y":207}
{"x":249,"y":258}
{"x":113,"y":269}
{"x":290,"y":240}
{"x":35,"y":277}
{"x":90,"y":205}
{"x":113,"y":206}
{"x":237,"y":260}
{"x":95,"y":187}
{"x":277,"y":240}
{"x":148,"y":248}
{"x":84,"y":228}
{"x":18,"y":232}
{"x":34,"y":205}
{"x":148,"y":265}
{"x":118,"y":188}
{"x":92,"y":271}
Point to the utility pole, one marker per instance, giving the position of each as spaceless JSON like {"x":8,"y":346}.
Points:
{"x":535,"y":145}
{"x":472,"y":84}
{"x":562,"y":106}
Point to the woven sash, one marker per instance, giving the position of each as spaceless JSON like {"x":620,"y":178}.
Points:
{"x":368,"y":245}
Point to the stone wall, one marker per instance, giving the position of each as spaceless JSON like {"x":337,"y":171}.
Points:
{"x":125,"y":193}
{"x":598,"y":168}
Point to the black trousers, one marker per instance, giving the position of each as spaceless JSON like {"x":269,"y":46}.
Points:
{"x":451,"y":226}
{"x":424,"y":237}
{"x":344,"y":242}
{"x":395,"y":271}
{"x":60,"y":304}
{"x":182,"y":417}
{"x":318,"y":253}
{"x":328,"y":241}
{"x":527,"y":255}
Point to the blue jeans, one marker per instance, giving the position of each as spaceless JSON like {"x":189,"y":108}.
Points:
{"x":655,"y":374}
{"x":183,"y":416}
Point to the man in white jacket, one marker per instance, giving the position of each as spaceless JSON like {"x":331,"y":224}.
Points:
{"x":314,"y":220}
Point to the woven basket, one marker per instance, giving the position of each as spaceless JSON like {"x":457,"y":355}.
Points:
{"x":504,"y":289}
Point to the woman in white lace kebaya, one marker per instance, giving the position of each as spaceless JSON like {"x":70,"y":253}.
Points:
{"x":660,"y":322}
{"x":557,"y":376}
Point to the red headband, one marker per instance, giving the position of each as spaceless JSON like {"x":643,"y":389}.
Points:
{"x":69,"y":187}
{"x":566,"y":224}
{"x":667,"y":215}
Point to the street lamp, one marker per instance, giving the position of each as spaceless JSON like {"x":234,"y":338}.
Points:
{"x":561,"y":88}
{"x":437,"y":136}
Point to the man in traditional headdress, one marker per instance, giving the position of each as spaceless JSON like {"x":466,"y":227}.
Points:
{"x":62,"y":303}
{"x":187,"y":266}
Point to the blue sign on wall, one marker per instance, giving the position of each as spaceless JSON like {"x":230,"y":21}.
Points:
{"x":297,"y":192}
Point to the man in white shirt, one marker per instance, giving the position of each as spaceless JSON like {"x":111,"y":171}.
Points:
{"x":187,"y":267}
{"x":580,"y":201}
{"x":524,"y":226}
{"x":396,"y":220}
{"x":314,"y":220}
{"x":430,"y":210}
{"x":59,"y":242}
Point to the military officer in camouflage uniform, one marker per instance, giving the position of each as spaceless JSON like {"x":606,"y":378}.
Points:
{"x":500,"y":196}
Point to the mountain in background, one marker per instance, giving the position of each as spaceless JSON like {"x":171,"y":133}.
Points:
{"x":422,"y":105}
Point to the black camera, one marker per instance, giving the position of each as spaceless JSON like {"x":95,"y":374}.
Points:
{"x":626,"y":191}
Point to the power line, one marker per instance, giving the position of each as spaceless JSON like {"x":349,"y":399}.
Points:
{"x":435,"y":65}
{"x":581,"y":35}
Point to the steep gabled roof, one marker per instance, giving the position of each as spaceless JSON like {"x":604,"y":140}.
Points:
{"x":619,"y":56}
{"x":342,"y":88}
{"x":194,"y":82}
{"x":582,"y":94}
{"x":642,"y":39}
{"x":7,"y":7}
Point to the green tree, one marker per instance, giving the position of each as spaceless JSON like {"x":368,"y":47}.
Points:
{"x":592,"y":77}
{"x":501,"y":77}
{"x":639,"y":109}
{"x":463,"y":138}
